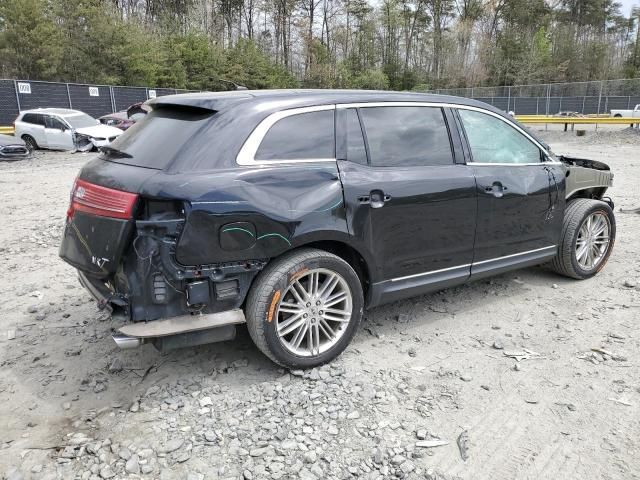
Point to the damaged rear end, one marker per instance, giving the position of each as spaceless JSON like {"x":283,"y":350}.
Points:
{"x":121,"y":235}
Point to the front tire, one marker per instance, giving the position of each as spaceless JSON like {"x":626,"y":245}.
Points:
{"x":588,"y":235}
{"x":304,"y":308}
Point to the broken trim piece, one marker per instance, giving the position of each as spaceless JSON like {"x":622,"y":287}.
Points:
{"x":182,"y":324}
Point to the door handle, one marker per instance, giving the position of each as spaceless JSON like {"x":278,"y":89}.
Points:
{"x":377,"y":198}
{"x":497,"y":189}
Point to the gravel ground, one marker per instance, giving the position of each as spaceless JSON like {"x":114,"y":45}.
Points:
{"x":492,"y":380}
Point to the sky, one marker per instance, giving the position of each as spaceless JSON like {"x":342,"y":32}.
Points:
{"x":626,"y":6}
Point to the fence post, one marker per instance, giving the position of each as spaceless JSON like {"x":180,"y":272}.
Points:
{"x":113,"y":100}
{"x":583,"y":100}
{"x":537,"y":105}
{"x":548,"y":99}
{"x":508,"y":98}
{"x":15,"y":89}
{"x":69,"y":96}
{"x":600,"y":96}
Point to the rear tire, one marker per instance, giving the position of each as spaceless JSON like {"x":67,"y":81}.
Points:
{"x":304,"y":308}
{"x":588,"y":235}
{"x":30,"y":142}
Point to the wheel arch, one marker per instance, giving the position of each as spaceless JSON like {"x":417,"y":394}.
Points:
{"x":591,"y":193}
{"x":350,"y":255}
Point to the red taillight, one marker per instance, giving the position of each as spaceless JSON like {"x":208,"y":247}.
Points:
{"x":99,"y":200}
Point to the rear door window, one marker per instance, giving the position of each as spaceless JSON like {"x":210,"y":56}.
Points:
{"x":303,"y":136}
{"x":407,"y":136}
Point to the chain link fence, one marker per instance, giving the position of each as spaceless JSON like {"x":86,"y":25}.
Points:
{"x":597,"y":97}
{"x":96,"y":100}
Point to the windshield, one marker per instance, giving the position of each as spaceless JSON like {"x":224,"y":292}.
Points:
{"x":81,"y":120}
{"x":161,"y":136}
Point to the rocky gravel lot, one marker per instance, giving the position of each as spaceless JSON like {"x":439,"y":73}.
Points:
{"x":524,"y":376}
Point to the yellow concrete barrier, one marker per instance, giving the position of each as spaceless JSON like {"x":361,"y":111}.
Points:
{"x":578,"y":120}
{"x":6,"y":130}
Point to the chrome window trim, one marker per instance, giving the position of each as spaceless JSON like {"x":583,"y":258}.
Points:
{"x":471,"y":265}
{"x":531,"y":164}
{"x":514,"y":255}
{"x":398,"y":279}
{"x":246,"y":156}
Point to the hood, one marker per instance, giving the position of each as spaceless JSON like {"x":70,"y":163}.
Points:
{"x":10,"y":140}
{"x":100,"y":131}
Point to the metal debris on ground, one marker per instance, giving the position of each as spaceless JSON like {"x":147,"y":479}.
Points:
{"x":463,"y":445}
{"x":431,"y":443}
{"x":524,"y":354}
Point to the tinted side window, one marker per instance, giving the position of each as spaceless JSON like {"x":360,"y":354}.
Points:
{"x":33,"y":118}
{"x":494,"y":141}
{"x":407,"y":136}
{"x":356,"y":151}
{"x":303,"y":136}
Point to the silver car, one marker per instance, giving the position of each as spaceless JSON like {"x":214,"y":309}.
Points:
{"x":62,"y":129}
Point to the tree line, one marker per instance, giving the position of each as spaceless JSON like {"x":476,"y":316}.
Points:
{"x":384,"y":44}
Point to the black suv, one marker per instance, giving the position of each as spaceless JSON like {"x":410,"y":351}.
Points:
{"x":294,"y":210}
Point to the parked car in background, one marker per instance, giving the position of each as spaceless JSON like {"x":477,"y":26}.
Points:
{"x":293,"y":211}
{"x":13,"y":148}
{"x":627,"y":113}
{"x":62,"y":129}
{"x":118,"y":120}
{"x":137,"y":111}
{"x":126,"y":118}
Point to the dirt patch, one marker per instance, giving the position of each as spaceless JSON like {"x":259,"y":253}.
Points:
{"x":526,"y":375}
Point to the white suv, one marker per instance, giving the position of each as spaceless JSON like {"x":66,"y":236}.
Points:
{"x":62,"y":129}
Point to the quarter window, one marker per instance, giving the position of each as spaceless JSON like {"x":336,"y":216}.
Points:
{"x":33,"y":118}
{"x":406,"y":136}
{"x":356,"y":151}
{"x":494,"y":141}
{"x":304,"y":136}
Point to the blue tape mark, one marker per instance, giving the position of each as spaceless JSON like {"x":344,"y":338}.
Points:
{"x":231,"y":229}
{"x":274,"y":235}
{"x":331,"y":207}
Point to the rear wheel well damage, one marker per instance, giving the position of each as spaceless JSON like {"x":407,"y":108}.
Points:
{"x":349,"y":255}
{"x":594,"y":193}
{"x":346,"y":253}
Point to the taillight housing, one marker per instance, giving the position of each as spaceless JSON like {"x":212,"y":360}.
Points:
{"x":98,"y":200}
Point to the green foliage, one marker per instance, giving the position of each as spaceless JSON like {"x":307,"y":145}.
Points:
{"x":247,"y":65}
{"x":371,"y":80}
{"x":23,"y":26}
{"x":398,"y":44}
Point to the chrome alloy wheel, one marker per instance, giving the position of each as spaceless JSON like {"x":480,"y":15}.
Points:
{"x":593,"y":240}
{"x":314,"y":312}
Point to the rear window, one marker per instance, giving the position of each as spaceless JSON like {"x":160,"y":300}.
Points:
{"x":161,"y":136}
